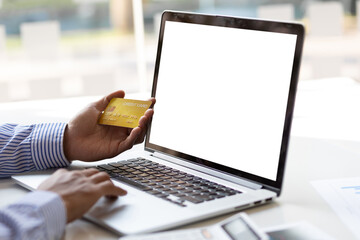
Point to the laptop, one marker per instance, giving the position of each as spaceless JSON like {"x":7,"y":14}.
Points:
{"x":225,"y":90}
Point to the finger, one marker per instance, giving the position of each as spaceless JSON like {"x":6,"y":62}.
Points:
{"x":144,"y":123}
{"x":102,"y":103}
{"x":145,"y":119}
{"x":130,"y":140}
{"x":89,"y":172}
{"x":141,"y":137}
{"x":107,"y":188}
{"x":153,"y":100}
{"x":100,"y":177}
{"x":149,"y":113}
{"x":60,"y":171}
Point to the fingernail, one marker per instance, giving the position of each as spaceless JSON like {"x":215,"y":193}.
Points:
{"x":123,"y":192}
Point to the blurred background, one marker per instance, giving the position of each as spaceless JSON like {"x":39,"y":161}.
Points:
{"x":69,"y":48}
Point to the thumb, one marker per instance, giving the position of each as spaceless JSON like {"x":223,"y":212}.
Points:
{"x":102,"y":103}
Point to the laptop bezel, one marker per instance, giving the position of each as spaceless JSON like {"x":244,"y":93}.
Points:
{"x":242,"y":23}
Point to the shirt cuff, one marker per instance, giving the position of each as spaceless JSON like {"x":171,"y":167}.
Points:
{"x":51,"y":207}
{"x":47,"y":148}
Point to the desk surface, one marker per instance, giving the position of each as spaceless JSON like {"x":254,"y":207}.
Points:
{"x":311,"y":157}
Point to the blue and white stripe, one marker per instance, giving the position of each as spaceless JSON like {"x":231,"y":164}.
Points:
{"x":31,"y":147}
{"x":39,"y":215}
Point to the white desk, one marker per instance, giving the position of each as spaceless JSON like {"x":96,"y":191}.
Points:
{"x":310,"y":158}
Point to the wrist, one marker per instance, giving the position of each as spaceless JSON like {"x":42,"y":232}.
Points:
{"x":67,"y":144}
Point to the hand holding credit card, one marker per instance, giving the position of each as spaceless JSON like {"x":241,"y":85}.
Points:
{"x":124,"y":112}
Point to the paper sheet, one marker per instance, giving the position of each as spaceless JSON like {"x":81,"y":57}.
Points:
{"x":297,"y":231}
{"x":343,"y":195}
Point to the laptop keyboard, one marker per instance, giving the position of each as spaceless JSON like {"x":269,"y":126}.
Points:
{"x":165,"y":182}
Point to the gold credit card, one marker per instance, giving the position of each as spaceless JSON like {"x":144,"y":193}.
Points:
{"x":124,"y":112}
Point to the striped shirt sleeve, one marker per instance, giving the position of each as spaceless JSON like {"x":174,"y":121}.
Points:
{"x":31,"y":147}
{"x":39,"y":215}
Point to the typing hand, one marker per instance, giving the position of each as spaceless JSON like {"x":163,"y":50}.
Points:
{"x":80,"y":190}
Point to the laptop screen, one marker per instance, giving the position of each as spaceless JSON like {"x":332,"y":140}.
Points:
{"x":222,"y":95}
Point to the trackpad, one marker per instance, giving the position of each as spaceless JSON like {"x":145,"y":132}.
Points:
{"x":134,"y":213}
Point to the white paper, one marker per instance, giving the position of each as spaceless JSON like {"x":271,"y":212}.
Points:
{"x":343,"y":195}
{"x":296,"y":231}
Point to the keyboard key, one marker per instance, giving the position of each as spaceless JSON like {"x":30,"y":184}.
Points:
{"x":132,"y":183}
{"x":134,"y":160}
{"x":153,"y":192}
{"x":116,"y":164}
{"x":192,"y":199}
{"x":180,"y":195}
{"x":106,"y":167}
{"x":161,"y":195}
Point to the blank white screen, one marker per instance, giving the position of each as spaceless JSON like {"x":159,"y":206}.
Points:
{"x":222,"y":95}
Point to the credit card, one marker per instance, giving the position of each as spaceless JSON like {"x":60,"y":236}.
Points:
{"x":124,"y":112}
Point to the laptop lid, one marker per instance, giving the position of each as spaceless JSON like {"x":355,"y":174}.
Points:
{"x":225,"y":90}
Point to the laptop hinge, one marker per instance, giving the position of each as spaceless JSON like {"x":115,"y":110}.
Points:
{"x":209,"y":171}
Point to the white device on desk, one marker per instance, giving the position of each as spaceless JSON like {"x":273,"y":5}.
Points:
{"x":238,"y":227}
{"x":225,"y":90}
